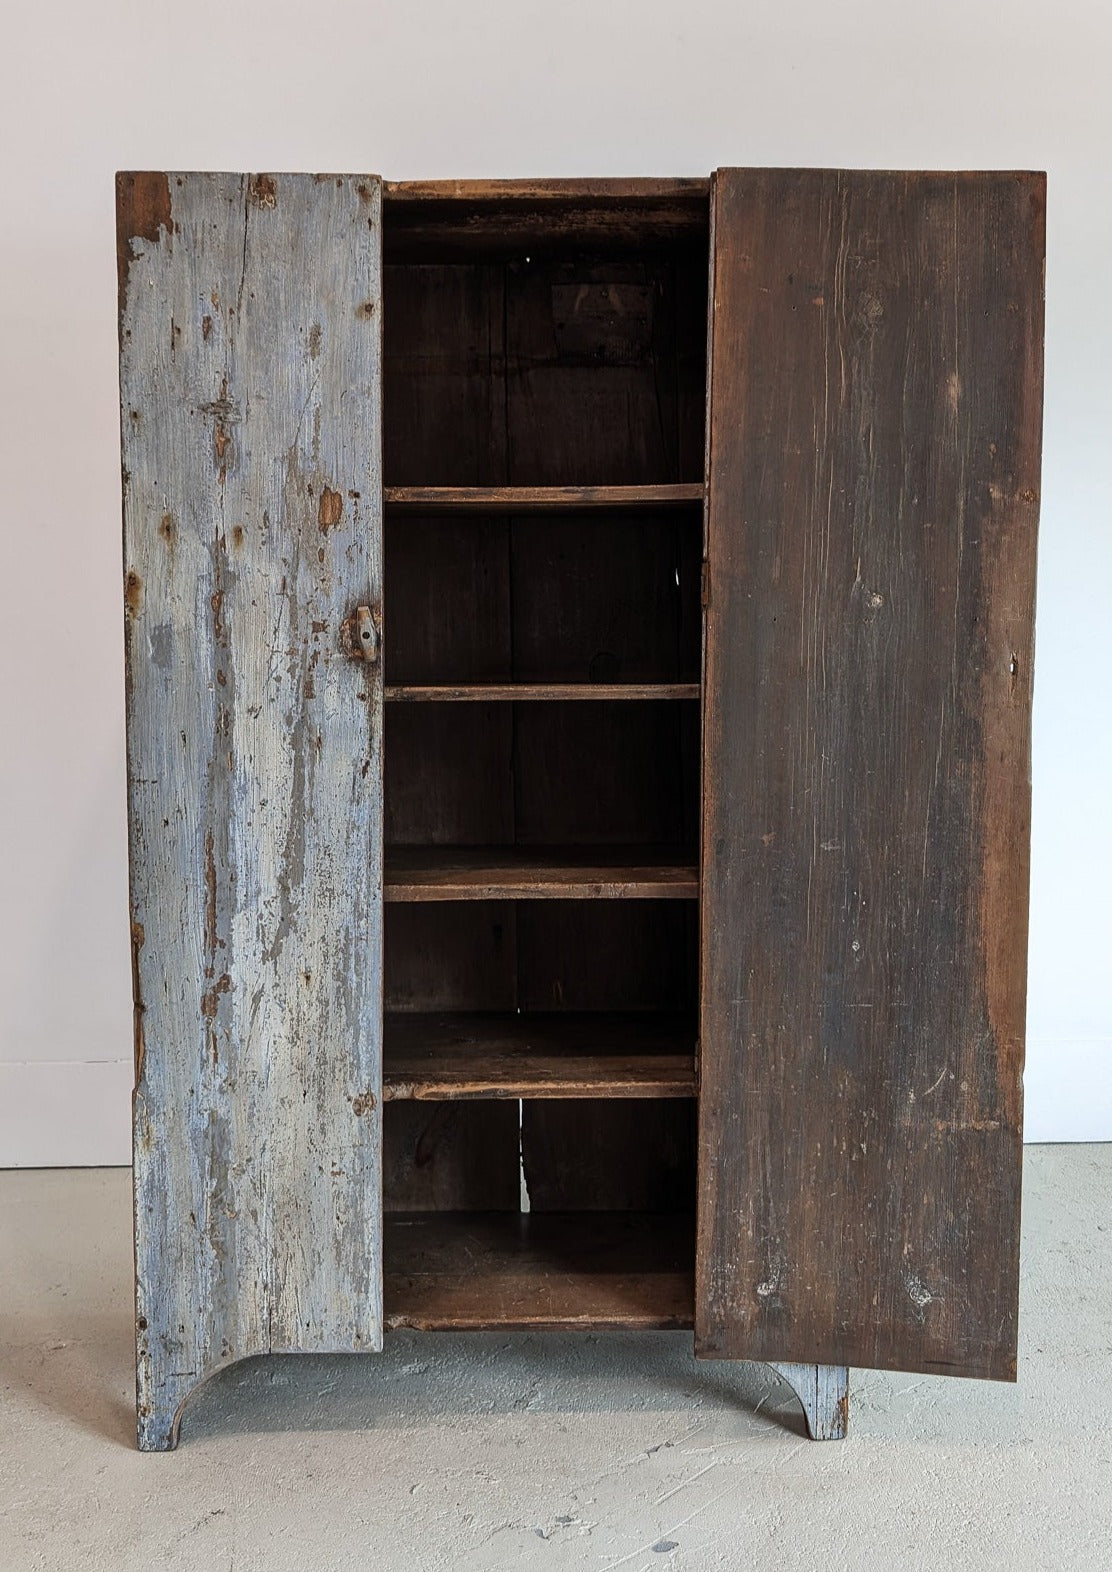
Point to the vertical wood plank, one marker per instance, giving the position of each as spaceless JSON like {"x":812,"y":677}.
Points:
{"x":251,"y":421}
{"x":875,"y":413}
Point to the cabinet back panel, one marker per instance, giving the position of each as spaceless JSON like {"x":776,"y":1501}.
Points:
{"x":542,"y":774}
{"x":603,"y":773}
{"x":447,"y":600}
{"x":609,"y":1156}
{"x":443,"y":376}
{"x":448,"y":775}
{"x":451,"y":1157}
{"x":606,"y":600}
{"x":606,"y":955}
{"x":591,"y":393}
{"x":450,"y":956}
{"x":582,"y":371}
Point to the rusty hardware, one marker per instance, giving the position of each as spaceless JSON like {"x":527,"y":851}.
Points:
{"x":360,"y":636}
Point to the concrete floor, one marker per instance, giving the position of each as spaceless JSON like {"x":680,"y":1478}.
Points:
{"x":480,"y":1452}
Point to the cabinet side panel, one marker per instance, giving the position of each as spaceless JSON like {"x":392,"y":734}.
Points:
{"x":250,"y":389}
{"x":875,"y":410}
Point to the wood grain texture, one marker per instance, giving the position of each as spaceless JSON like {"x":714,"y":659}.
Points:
{"x":823,"y":1393}
{"x":250,"y":408}
{"x":609,"y":1155}
{"x":613,"y":190}
{"x":596,"y":1272}
{"x":566,"y":1054}
{"x":541,"y":499}
{"x":482,"y":873}
{"x":505,"y":218}
{"x":875,"y":411}
{"x":443,"y":955}
{"x":450,"y":1157}
{"x":541,"y":692}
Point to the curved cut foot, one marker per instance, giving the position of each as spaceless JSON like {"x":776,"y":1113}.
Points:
{"x":823,"y":1392}
{"x":159,"y":1419}
{"x":162,"y":1396}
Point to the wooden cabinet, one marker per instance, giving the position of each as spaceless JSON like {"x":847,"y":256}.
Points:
{"x":579,"y":661}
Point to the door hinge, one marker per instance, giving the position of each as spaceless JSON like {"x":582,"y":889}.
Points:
{"x":704,"y":585}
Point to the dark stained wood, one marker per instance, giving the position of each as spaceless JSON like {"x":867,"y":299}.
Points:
{"x":543,"y":545}
{"x":614,"y":190}
{"x":474,"y":218}
{"x":450,"y":1157}
{"x":541,"y":499}
{"x":875,"y":409}
{"x":592,"y":392}
{"x":609,"y":1156}
{"x":443,"y":955}
{"x":443,"y":375}
{"x":605,"y":955}
{"x":595,"y":1271}
{"x":601,"y":775}
{"x":612,"y":605}
{"x":448,"y":777}
{"x":448,"y":601}
{"x":480,"y":873}
{"x":542,"y":692}
{"x":465,"y":1055}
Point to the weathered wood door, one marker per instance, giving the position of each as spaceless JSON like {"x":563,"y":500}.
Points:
{"x":875,"y":412}
{"x":250,"y":403}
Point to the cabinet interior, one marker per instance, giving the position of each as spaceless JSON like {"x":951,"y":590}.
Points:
{"x":545,"y":376}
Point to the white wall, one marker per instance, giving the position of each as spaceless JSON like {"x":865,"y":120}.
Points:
{"x":493,"y":87}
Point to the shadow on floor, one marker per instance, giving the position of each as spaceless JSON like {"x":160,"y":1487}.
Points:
{"x":420,"y":1377}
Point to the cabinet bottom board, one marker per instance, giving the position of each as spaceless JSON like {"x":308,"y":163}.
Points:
{"x":594,"y":1271}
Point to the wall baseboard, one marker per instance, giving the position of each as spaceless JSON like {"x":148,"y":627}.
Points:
{"x":58,"y":1114}
{"x":1067,"y":1089}
{"x":78,"y":1115}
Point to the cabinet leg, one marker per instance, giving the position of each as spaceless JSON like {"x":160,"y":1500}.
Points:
{"x":823,"y":1392}
{"x":158,"y":1414}
{"x":161,"y":1398}
{"x":161,"y":1394}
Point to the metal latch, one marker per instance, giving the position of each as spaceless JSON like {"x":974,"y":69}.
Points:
{"x":361,"y":637}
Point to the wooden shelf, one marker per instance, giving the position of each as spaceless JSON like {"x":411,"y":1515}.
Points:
{"x":485,"y":873}
{"x":540,"y":499}
{"x":538,"y":692}
{"x":595,"y":1271}
{"x":464,"y":1056}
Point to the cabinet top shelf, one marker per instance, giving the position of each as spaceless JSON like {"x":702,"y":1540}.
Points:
{"x":535,"y":499}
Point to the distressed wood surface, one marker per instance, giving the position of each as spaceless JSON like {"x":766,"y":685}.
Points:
{"x":540,"y":499}
{"x":483,"y":873}
{"x":451,"y":1157}
{"x":511,"y":218}
{"x":875,"y":413}
{"x":465,"y":1054}
{"x":597,"y":1271}
{"x":823,"y":1393}
{"x":250,"y":407}
{"x":541,"y":692}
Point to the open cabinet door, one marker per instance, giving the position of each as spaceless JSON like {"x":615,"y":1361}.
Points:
{"x":874,"y":437}
{"x":250,"y":405}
